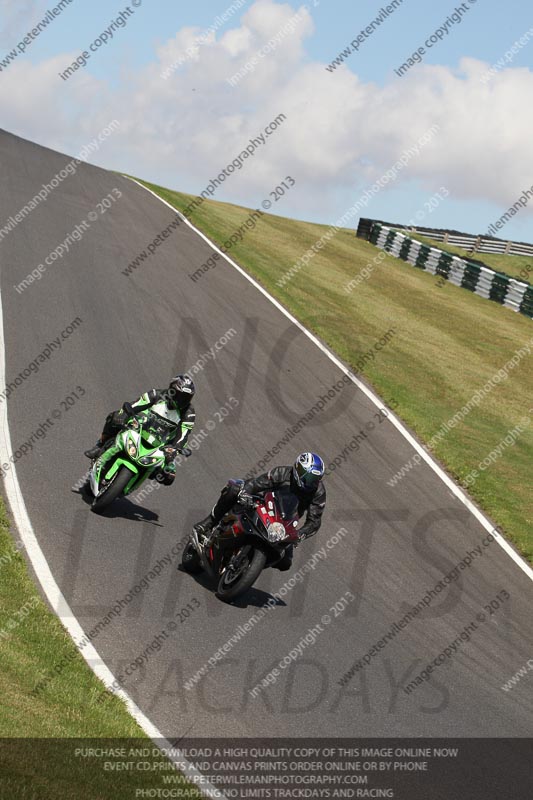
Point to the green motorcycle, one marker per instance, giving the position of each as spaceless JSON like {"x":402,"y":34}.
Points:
{"x":136,"y":454}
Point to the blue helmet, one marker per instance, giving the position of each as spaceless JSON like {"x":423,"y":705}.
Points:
{"x":308,"y":470}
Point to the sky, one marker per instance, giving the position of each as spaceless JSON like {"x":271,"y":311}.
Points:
{"x":165,"y":76}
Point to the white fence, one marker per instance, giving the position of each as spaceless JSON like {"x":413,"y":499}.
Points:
{"x":474,"y":244}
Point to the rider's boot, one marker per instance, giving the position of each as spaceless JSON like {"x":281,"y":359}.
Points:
{"x":95,"y":452}
{"x":205,"y":526}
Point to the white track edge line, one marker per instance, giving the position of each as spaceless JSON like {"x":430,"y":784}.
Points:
{"x":59,"y":604}
{"x":456,"y":490}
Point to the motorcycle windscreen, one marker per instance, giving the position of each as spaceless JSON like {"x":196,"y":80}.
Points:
{"x":287,"y":502}
{"x":159,"y":427}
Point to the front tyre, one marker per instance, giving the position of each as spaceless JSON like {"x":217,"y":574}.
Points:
{"x":190,"y":560}
{"x":241,"y":573}
{"x":114,"y":490}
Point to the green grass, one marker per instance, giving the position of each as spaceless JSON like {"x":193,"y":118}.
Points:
{"x":34,"y":642}
{"x":510,"y":265}
{"x":449,"y":343}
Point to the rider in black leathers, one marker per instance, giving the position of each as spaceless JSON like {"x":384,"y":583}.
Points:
{"x":303,"y":480}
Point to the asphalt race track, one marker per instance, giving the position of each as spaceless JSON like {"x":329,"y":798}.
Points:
{"x":136,"y":332}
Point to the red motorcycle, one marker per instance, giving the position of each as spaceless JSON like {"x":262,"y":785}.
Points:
{"x":244,"y":543}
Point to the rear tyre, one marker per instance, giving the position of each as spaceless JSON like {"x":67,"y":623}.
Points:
{"x":190,"y":560}
{"x":114,"y":490}
{"x":237,"y":580}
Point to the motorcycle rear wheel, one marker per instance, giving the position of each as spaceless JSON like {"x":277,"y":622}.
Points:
{"x":232,"y":584}
{"x":190,"y":560}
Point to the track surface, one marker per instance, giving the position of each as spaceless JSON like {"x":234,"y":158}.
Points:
{"x":136,"y":333}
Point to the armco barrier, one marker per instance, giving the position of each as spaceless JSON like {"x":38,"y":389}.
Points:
{"x":462,"y":272}
{"x":475,"y":244}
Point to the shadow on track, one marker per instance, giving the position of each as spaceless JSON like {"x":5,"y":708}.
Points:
{"x":123,"y":508}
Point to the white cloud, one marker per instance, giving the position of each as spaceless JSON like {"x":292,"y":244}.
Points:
{"x":182,"y":131}
{"x":238,"y":41}
{"x":38,"y":105}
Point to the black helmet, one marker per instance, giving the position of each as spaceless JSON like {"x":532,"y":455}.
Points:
{"x":307,"y":471}
{"x":180,"y":392}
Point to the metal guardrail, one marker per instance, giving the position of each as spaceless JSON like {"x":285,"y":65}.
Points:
{"x":475,"y":244}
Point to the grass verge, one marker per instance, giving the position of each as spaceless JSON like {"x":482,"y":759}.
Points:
{"x":40,"y":734}
{"x":449,"y":343}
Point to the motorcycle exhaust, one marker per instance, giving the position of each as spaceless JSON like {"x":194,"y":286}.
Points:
{"x":203,"y":559}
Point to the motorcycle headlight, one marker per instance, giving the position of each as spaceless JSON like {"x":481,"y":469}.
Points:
{"x":276,"y":532}
{"x":131,"y":447}
{"x":147,"y":461}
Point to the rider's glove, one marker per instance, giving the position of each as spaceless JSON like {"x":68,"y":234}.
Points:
{"x":245,"y":499}
{"x":127,"y":408}
{"x":170,"y":454}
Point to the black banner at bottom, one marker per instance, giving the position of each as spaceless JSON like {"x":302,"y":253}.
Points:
{"x":296,"y":769}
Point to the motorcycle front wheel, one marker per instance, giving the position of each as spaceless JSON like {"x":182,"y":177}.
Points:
{"x":241,"y":573}
{"x":114,"y":490}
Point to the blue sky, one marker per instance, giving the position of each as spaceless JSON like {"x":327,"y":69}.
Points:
{"x":485,"y":33}
{"x":344,"y":128}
